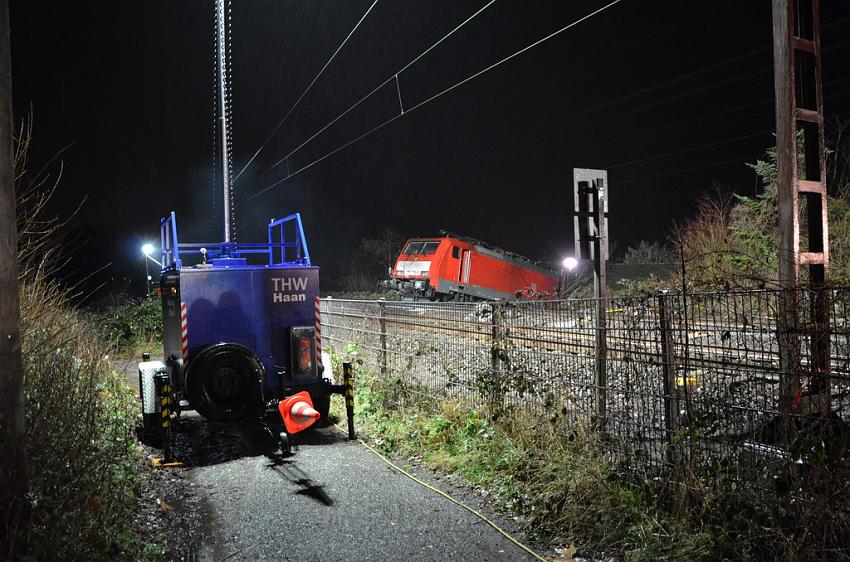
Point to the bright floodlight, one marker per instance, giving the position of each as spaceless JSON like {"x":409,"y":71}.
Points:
{"x":147,"y":249}
{"x":570,"y":263}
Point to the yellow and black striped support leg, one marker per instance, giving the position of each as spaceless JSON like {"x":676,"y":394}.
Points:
{"x":348,"y":382}
{"x":163,"y":388}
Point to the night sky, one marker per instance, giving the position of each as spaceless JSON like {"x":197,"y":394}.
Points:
{"x":669,"y":96}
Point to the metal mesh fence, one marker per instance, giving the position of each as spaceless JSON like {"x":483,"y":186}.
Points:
{"x":693,"y":380}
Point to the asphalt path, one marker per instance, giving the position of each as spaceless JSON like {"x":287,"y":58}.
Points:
{"x":331,"y":500}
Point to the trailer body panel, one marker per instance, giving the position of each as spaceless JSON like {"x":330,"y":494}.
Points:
{"x":252,"y":306}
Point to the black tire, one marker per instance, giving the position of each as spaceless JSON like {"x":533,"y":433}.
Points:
{"x":224,"y":382}
{"x":285,"y":443}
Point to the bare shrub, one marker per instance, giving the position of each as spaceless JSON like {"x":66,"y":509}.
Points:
{"x":705,"y":242}
{"x":733,"y":240}
{"x":83,"y":459}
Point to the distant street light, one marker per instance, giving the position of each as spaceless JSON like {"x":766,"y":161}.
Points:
{"x":147,"y":250}
{"x":568,"y":264}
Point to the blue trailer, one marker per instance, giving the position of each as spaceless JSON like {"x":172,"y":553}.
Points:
{"x":241,"y":331}
{"x":241,"y":327}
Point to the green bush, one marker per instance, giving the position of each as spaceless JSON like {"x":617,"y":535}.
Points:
{"x":135,"y":323}
{"x":84,"y":460}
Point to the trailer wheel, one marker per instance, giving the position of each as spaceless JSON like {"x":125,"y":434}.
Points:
{"x":285,"y":443}
{"x":224,"y":382}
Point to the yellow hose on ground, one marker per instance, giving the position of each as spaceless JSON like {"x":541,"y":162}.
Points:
{"x":448,"y":497}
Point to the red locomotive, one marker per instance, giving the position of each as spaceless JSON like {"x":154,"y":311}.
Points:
{"x":458,"y":268}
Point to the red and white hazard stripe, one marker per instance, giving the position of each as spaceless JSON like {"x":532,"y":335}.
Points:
{"x":184,"y":332}
{"x":318,"y":330}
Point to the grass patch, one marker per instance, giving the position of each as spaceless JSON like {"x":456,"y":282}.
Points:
{"x":547,"y":471}
{"x":565,"y":493}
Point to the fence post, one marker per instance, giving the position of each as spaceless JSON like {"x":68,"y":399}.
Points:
{"x":600,"y":291}
{"x":382,"y":321}
{"x":601,"y":366}
{"x":495,"y":349}
{"x":668,"y":367}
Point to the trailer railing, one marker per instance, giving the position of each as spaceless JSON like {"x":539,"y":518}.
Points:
{"x":287,"y":244}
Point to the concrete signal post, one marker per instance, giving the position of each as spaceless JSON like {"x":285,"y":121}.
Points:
{"x":590,"y":191}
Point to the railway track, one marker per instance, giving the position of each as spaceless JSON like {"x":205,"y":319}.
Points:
{"x":728,"y":352}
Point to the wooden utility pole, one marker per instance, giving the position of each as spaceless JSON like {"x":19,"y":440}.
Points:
{"x":801,"y":177}
{"x":13,"y":460}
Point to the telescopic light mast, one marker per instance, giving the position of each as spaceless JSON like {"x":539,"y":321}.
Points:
{"x":222,"y":64}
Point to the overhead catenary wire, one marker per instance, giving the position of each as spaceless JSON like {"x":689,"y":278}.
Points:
{"x":681,"y":95}
{"x":709,"y":165}
{"x":603,"y":104}
{"x":728,"y":111}
{"x":672,"y":81}
{"x":649,"y":132}
{"x":393,"y":76}
{"x":678,"y":96}
{"x":711,"y":144}
{"x":514,"y":55}
{"x":530,"y":147}
{"x":408,"y":65}
{"x":738,"y":58}
{"x":691,"y":169}
{"x":689,"y":149}
{"x":626,"y":181}
{"x":691,"y":92}
{"x":716,"y":66}
{"x":307,"y":89}
{"x":678,"y":171}
{"x":429,"y":99}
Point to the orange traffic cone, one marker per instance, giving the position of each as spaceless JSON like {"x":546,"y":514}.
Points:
{"x":297,"y":412}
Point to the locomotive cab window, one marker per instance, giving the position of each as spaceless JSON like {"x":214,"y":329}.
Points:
{"x":455,"y":252}
{"x":420,"y":247}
